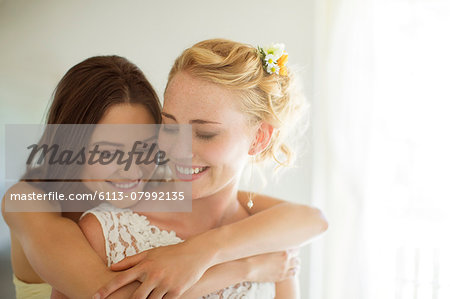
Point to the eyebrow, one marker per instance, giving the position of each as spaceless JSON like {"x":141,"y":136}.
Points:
{"x":193,"y":121}
{"x":120,"y":144}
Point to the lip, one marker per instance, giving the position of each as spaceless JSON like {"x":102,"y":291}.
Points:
{"x":190,"y":177}
{"x":135,"y":184}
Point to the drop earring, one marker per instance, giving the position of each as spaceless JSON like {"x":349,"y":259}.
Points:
{"x":250,"y":196}
{"x":250,"y":201}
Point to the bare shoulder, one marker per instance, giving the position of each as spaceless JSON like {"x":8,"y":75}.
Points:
{"x":92,"y":230}
{"x":263,"y":202}
{"x":21,"y":188}
{"x":11,"y":208}
{"x":260,"y":201}
{"x":245,"y":195}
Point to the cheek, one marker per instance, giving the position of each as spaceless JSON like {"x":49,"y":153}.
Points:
{"x":226,"y":152}
{"x":98,"y":171}
{"x":177,"y":145}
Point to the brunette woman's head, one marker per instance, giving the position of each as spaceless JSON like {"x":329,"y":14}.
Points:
{"x":88,"y":94}
{"x":92,"y":86}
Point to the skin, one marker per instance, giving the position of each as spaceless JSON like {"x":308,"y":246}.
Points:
{"x":41,"y":242}
{"x":48,"y":239}
{"x":213,"y":111}
{"x":110,"y":138}
{"x":93,"y":231}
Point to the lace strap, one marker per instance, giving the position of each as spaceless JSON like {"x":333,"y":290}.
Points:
{"x":119,"y":241}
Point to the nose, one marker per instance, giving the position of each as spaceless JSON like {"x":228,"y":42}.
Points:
{"x":182,"y":152}
{"x":134,"y":172}
{"x":178,"y":147}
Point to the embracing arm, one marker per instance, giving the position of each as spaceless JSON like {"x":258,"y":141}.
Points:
{"x":301,"y":223}
{"x":280,"y":267}
{"x":275,"y":226}
{"x":58,"y":250}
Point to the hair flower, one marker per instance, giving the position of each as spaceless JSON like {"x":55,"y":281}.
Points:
{"x":274,"y":59}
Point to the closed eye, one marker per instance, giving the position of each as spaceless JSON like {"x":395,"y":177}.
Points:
{"x":205,"y":136}
{"x":170,"y":128}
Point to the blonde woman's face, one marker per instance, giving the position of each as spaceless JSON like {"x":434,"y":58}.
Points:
{"x":220,"y":136}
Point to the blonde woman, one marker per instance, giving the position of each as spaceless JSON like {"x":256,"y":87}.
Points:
{"x":241,"y":105}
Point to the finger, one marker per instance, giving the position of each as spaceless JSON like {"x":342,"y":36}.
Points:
{"x":172,"y":295}
{"x":158,"y":293}
{"x":295,"y":261}
{"x":129,"y":262}
{"x":293,"y":252}
{"x":293,"y":271}
{"x":290,"y":273}
{"x":144,"y":290}
{"x":117,"y":282}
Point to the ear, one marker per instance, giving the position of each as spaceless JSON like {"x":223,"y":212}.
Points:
{"x":262,"y":139}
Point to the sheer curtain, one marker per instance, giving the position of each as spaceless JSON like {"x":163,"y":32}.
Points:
{"x":381,"y":142}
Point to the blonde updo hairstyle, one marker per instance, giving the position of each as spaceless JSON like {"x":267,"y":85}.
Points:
{"x":265,"y":97}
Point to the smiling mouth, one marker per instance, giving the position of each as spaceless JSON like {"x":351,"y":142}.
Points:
{"x":128,"y":185}
{"x":190,"y":170}
{"x":189,"y":174}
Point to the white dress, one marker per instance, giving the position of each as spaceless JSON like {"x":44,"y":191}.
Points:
{"x":127,"y":233}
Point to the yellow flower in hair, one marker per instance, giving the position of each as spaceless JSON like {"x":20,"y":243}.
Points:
{"x":282,"y":60}
{"x":282,"y":64}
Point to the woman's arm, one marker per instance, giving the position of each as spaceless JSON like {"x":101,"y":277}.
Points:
{"x":58,"y":250}
{"x":50,"y":241}
{"x":261,"y":202}
{"x":270,"y":267}
{"x":275,"y":226}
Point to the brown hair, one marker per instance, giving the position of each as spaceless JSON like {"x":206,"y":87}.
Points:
{"x":83,"y":96}
{"x":89,"y":88}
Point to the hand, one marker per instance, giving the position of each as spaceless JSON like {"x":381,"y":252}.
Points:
{"x":274,"y":267}
{"x":163,"y":272}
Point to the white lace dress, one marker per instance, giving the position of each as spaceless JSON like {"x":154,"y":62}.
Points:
{"x":127,"y":233}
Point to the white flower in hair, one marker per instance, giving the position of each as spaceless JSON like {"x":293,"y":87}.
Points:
{"x":270,"y":66}
{"x":277,"y":50}
{"x":270,"y":59}
{"x":273,"y":69}
{"x":274,"y":59}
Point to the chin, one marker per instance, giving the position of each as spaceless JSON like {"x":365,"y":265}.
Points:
{"x":122,"y":204}
{"x":198,"y":194}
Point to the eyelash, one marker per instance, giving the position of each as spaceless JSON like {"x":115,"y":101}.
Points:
{"x":205,"y":137}
{"x":168,"y":129}
{"x":201,"y":136}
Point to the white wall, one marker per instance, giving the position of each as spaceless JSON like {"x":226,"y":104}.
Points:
{"x":41,"y":40}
